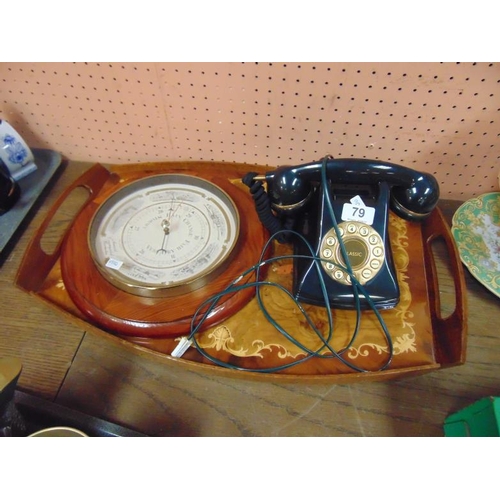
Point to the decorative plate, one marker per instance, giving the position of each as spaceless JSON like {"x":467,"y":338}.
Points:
{"x":476,"y":229}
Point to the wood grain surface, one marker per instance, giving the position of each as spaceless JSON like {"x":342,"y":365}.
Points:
{"x":160,"y":399}
{"x":37,"y":334}
{"x":243,"y":337}
{"x":108,"y":378}
{"x":128,"y":314}
{"x":143,"y":392}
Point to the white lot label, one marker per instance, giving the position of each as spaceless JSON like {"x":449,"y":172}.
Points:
{"x":358,"y":211}
{"x":114,"y":264}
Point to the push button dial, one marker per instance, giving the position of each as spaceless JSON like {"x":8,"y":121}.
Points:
{"x":364,"y":248}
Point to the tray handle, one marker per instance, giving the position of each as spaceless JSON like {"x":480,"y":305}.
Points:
{"x":37,"y":263}
{"x":450,"y":332}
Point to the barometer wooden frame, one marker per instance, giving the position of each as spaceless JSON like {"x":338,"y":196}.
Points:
{"x":127,"y":314}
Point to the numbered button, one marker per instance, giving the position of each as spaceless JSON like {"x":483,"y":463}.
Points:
{"x":364,"y":248}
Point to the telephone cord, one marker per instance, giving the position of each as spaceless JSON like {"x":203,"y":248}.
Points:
{"x":232,"y":288}
{"x":263,"y":208}
{"x":283,"y":234}
{"x":356,"y":286}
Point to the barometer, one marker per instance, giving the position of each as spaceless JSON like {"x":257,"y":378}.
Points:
{"x":164,"y":235}
{"x":155,"y":242}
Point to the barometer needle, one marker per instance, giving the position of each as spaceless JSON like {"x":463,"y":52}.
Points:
{"x":165,"y":225}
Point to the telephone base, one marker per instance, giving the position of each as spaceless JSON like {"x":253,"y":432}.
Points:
{"x":366,"y":244}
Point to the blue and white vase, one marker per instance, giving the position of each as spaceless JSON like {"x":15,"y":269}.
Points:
{"x":15,"y":154}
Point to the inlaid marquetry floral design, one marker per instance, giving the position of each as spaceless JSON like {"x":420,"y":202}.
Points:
{"x":221,"y":339}
{"x":403,"y":344}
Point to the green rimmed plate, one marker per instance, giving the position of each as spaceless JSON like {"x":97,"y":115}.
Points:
{"x":476,"y":230}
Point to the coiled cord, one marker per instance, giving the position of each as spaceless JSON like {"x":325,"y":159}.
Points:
{"x":272,"y":223}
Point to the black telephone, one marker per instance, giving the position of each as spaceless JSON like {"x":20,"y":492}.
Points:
{"x":358,"y":193}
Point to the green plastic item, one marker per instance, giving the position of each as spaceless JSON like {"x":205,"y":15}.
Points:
{"x":481,"y":419}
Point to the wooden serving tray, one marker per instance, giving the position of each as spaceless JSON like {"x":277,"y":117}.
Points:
{"x":240,"y":336}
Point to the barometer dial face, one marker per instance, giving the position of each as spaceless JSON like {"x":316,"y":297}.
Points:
{"x":164,"y":235}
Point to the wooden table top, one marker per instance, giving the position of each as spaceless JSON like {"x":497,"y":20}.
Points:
{"x":107,"y":378}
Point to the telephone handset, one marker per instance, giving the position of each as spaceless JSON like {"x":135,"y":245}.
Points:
{"x":358,"y":192}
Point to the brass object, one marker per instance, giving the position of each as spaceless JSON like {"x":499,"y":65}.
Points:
{"x":364,"y":247}
{"x":164,"y":235}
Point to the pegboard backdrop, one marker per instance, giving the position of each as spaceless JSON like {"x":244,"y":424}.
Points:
{"x":441,"y":118}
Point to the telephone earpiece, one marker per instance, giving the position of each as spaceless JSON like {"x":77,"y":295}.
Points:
{"x":413,"y":194}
